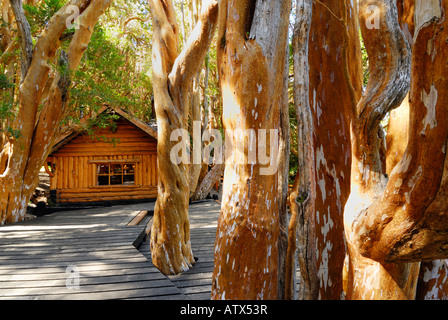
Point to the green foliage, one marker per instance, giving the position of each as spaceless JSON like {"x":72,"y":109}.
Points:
{"x":365,"y":61}
{"x":38,"y":16}
{"x":293,"y":159}
{"x":104,"y":77}
{"x":4,"y":82}
{"x":102,"y":121}
{"x":7,"y":106}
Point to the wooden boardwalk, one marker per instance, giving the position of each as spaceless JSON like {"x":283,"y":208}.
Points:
{"x":91,"y":254}
{"x":196,"y":283}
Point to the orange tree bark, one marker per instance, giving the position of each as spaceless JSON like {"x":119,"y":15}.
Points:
{"x":432,"y":284}
{"x":432,"y":278}
{"x":172,"y":79}
{"x":40,"y":86}
{"x":251,"y":59}
{"x":322,"y":186}
{"x":302,"y":194}
{"x":392,"y":224}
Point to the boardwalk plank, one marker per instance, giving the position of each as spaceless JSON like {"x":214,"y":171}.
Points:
{"x":196,"y":283}
{"x":34,"y":256}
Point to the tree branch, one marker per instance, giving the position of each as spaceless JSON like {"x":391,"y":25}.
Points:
{"x":81,"y":38}
{"x":26,"y":41}
{"x":8,"y":55}
{"x":55,"y":107}
{"x":390,"y":64}
{"x":165,"y":34}
{"x":392,"y":228}
{"x":191,"y":57}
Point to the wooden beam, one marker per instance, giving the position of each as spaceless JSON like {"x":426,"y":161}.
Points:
{"x":115,"y":161}
{"x":139,"y":217}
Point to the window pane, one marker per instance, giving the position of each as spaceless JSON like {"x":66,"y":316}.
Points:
{"x":128,"y":168}
{"x":128,"y":180}
{"x":115,"y":180}
{"x":103,"y":169}
{"x":115,"y":169}
{"x":103,"y":180}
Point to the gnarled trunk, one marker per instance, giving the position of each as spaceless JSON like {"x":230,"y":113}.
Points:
{"x":27,"y":153}
{"x":322,"y":185}
{"x":172,"y":76}
{"x":251,"y":58}
{"x":393,"y":224}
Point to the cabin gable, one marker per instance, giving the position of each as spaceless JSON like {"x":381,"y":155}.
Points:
{"x":125,"y":139}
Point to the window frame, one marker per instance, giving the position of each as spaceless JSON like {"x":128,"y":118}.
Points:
{"x":110,"y":174}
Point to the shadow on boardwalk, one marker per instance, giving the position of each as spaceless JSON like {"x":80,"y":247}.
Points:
{"x":91,"y":254}
{"x":196,"y":283}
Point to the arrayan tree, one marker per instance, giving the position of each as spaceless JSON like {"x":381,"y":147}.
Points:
{"x":368,"y":211}
{"x":328,"y":84}
{"x":29,"y":132}
{"x":173,"y":73}
{"x":395,"y":215}
{"x":394,"y":222}
{"x":252,"y":41}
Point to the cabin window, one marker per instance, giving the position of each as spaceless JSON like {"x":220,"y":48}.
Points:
{"x":118,"y":174}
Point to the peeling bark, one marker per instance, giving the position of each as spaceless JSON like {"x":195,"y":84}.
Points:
{"x":208,"y":182}
{"x":301,"y":199}
{"x":335,"y":89}
{"x":251,"y":57}
{"x":392,"y":223}
{"x":38,"y":129}
{"x":172,"y":76}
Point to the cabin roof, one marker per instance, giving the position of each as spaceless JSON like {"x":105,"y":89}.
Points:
{"x":71,"y":134}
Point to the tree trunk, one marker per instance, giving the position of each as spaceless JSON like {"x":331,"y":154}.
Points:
{"x":38,"y":129}
{"x":431,"y":282}
{"x":251,"y":57}
{"x":303,"y":190}
{"x":208,"y":182}
{"x":322,"y":186}
{"x":172,"y":77}
{"x":390,"y":224}
{"x":283,"y":179}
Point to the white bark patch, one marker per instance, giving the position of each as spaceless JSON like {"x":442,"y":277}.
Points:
{"x":425,"y":11}
{"x":323,"y":273}
{"x":356,"y":203}
{"x":430,"y":102}
{"x":412,"y":182}
{"x":320,"y":160}
{"x":434,"y":274}
{"x":403,"y":165}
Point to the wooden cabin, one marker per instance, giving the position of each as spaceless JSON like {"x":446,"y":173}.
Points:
{"x":86,"y":170}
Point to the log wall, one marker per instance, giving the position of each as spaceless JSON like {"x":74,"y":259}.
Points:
{"x":76,"y":163}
